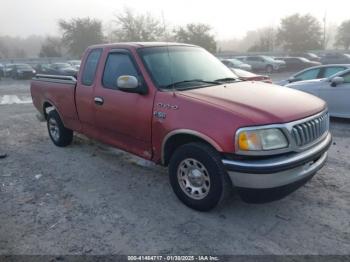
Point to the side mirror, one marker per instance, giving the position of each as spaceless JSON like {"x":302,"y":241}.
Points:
{"x":338,"y":80}
{"x":292,"y":79}
{"x":128,"y":84}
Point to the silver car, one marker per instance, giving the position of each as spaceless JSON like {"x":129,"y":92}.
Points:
{"x":235,"y":63}
{"x":264,"y":63}
{"x":335,"y":90}
{"x":316,"y":72}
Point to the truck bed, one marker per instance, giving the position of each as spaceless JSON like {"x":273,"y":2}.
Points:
{"x":58,"y":92}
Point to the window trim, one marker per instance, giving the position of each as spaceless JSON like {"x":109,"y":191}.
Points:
{"x":133,"y":61}
{"x":310,"y":69}
{"x":97,"y":65}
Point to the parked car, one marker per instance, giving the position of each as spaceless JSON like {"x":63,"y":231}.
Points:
{"x":7,"y":70}
{"x":335,"y":58}
{"x":235,"y":63}
{"x":179,"y":106}
{"x":249,"y":76}
{"x":316,"y":72}
{"x":74,"y":63}
{"x":297,"y":63}
{"x":309,"y":56}
{"x":2,"y":68}
{"x":264,"y":63}
{"x":62,"y":69}
{"x":20,"y":71}
{"x":43,"y":69}
{"x":335,"y":90}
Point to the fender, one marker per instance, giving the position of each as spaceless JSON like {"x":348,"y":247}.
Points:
{"x":55,"y":107}
{"x":188,"y":132}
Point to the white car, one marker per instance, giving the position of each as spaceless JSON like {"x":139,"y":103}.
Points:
{"x":335,"y":90}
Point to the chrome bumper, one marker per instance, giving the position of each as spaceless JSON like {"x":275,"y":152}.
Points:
{"x":278,"y":171}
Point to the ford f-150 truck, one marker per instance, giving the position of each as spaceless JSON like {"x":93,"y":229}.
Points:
{"x":179,"y":106}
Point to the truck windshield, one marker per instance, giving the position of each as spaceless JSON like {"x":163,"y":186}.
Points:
{"x":184,"y":67}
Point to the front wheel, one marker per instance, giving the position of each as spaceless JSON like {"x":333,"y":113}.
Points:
{"x":198,"y":177}
{"x":59,"y":134}
{"x":269,"y":69}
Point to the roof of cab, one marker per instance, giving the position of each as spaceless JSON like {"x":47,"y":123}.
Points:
{"x":139,"y":44}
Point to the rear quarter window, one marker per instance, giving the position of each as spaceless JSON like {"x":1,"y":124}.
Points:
{"x":90,"y":67}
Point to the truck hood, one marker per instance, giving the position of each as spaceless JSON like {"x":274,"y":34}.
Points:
{"x":259,"y":102}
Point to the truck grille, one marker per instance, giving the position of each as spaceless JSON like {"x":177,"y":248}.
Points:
{"x":311,"y":130}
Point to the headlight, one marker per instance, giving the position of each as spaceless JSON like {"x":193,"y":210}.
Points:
{"x":261,"y":139}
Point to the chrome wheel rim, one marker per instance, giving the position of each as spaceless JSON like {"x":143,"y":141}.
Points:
{"x":53,"y":129}
{"x":193,"y":178}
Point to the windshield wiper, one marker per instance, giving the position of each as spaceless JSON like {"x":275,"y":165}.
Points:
{"x":193,"y":81}
{"x":227,"y":79}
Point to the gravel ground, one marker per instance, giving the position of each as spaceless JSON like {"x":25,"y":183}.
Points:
{"x":91,"y":199}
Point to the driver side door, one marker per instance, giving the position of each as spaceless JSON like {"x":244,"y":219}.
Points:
{"x":123,"y":119}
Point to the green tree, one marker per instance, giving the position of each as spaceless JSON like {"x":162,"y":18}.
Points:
{"x":51,"y":47}
{"x":79,"y":33}
{"x":343,"y":35}
{"x":137,"y":28}
{"x":300,"y":33}
{"x":197,"y":34}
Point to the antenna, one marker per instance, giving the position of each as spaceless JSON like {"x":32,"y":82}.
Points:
{"x":169,"y":58}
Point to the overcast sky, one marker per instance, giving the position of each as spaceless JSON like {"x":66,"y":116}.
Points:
{"x":229,"y":18}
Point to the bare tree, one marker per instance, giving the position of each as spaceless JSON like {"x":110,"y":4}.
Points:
{"x":343,"y":35}
{"x":198,"y":34}
{"x":79,"y":33}
{"x":52,"y":47}
{"x":266,"y":41}
{"x":132,"y":27}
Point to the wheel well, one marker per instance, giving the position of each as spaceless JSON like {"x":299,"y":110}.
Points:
{"x":176,"y":141}
{"x":47,"y":107}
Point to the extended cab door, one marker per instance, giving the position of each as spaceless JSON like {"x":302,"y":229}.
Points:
{"x":85,"y":91}
{"x":123,"y":119}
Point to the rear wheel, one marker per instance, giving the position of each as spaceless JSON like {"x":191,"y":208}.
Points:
{"x":198,"y":177}
{"x":59,"y":134}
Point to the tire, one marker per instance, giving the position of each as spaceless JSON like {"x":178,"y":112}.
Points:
{"x":205,"y":170}
{"x":269,"y":69}
{"x":59,"y":134}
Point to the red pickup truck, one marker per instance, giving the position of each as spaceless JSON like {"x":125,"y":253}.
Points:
{"x":179,"y":106}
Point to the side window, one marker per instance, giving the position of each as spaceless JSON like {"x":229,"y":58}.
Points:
{"x":329,"y":71}
{"x":117,"y":64}
{"x":309,"y":74}
{"x":90,"y":67}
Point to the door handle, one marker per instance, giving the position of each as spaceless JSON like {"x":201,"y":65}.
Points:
{"x":99,"y":101}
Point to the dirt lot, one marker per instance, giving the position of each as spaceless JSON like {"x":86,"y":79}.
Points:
{"x":90,"y":199}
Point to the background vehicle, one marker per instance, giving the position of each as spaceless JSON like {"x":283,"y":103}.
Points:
{"x":335,"y":58}
{"x":297,"y":63}
{"x":61,"y":69}
{"x":43,"y":69}
{"x":264,"y":63}
{"x":179,"y":106}
{"x":235,"y":63}
{"x":309,"y":56}
{"x":20,"y":71}
{"x":75,"y":64}
{"x":249,"y":76}
{"x":335,"y":90}
{"x":2,"y":68}
{"x":316,"y":72}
